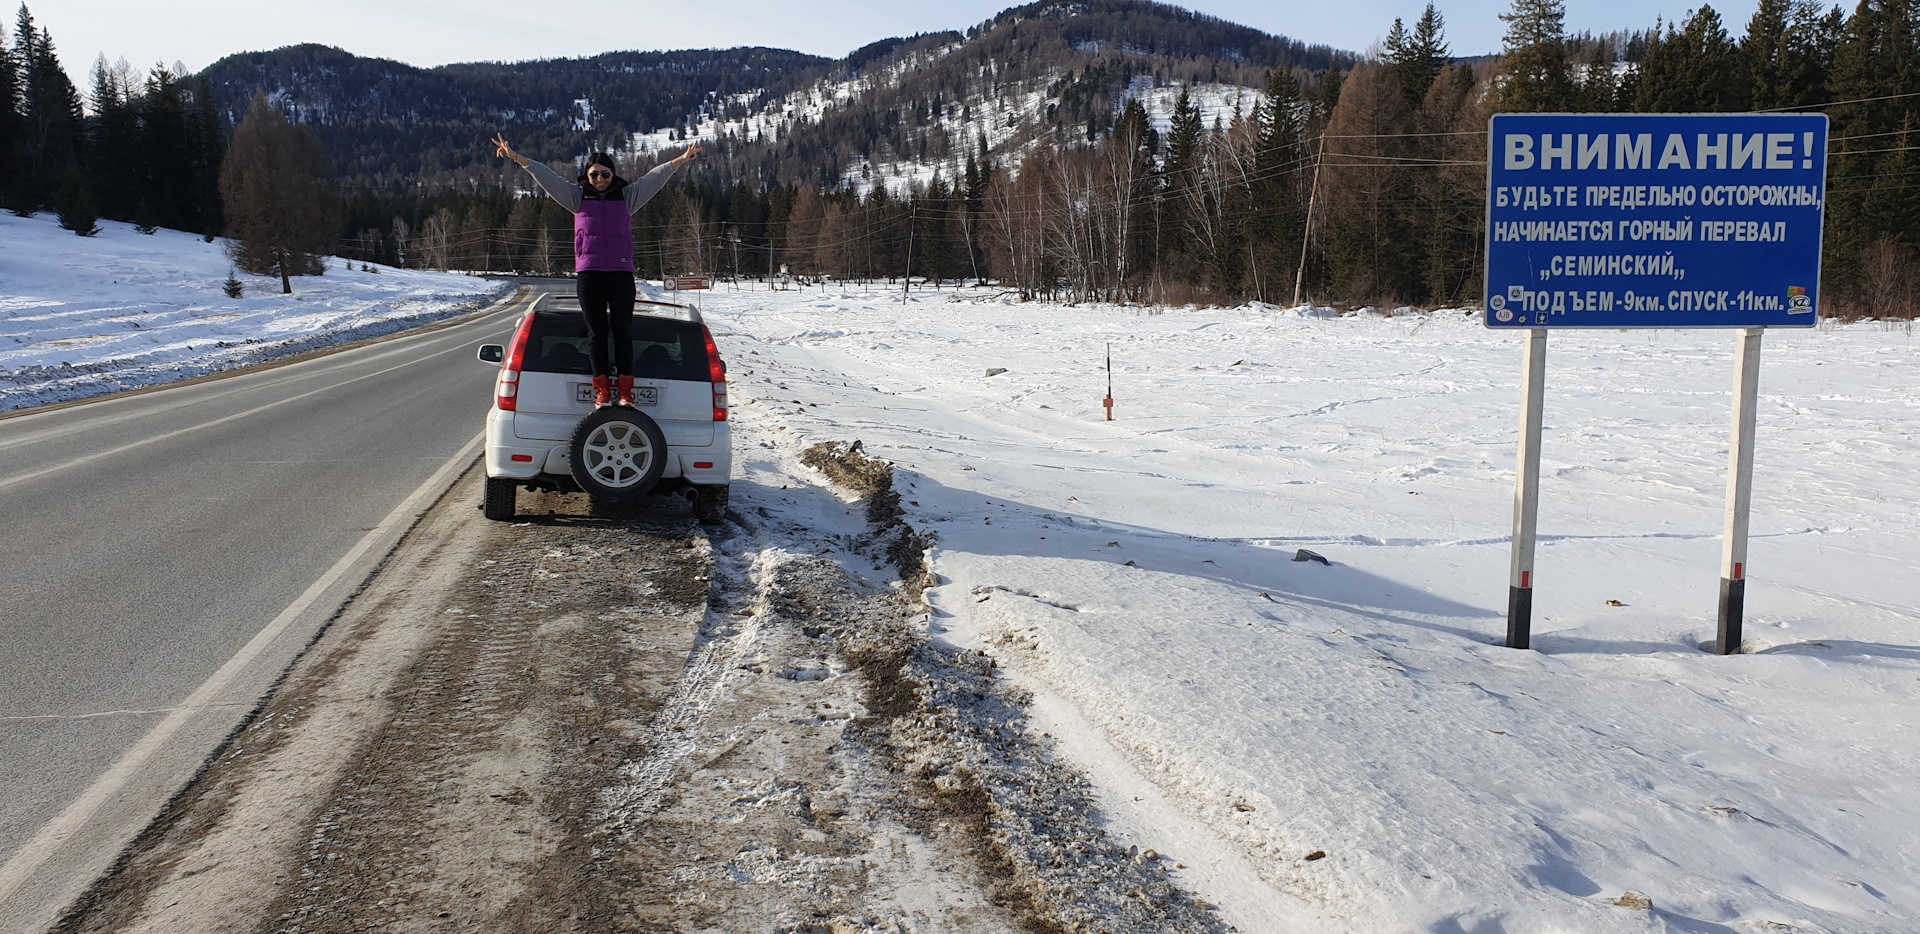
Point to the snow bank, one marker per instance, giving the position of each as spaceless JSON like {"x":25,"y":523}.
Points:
{"x":1347,"y":747}
{"x":81,"y":316}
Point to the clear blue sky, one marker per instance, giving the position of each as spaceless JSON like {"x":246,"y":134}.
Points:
{"x":435,"y":32}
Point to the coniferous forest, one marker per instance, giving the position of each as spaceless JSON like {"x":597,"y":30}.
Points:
{"x":1346,"y":178}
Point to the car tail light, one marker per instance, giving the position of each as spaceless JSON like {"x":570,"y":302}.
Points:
{"x":716,"y":371}
{"x":523,"y":458}
{"x":703,"y":465}
{"x":507,"y":396}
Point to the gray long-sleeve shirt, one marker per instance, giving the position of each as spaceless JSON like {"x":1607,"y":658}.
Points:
{"x":568,"y":193}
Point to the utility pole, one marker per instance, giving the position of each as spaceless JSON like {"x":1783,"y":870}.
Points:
{"x":1306,"y":232}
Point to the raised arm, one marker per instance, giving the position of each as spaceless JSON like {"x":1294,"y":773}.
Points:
{"x":561,"y":190}
{"x":642,"y":191}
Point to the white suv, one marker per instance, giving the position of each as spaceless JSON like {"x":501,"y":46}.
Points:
{"x":544,"y":432}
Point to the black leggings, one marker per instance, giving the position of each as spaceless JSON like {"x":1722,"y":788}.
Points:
{"x":607,"y":299}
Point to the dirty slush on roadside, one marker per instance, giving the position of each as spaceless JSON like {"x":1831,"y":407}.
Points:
{"x":602,"y":720}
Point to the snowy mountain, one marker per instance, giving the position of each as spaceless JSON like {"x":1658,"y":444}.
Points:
{"x":896,"y":109}
{"x":384,"y":121}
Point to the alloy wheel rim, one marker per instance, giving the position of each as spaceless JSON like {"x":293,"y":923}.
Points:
{"x":618,"y":454}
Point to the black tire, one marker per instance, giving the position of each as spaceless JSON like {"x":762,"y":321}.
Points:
{"x":497,"y":503}
{"x":710,"y":504}
{"x":617,"y":453}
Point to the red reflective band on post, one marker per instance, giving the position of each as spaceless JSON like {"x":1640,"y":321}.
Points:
{"x":524,"y":458}
{"x":1739,"y":570}
{"x":1526,"y":579}
{"x":703,"y":465}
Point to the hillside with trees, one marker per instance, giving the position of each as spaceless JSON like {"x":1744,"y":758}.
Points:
{"x":384,"y":123}
{"x":1110,"y":149}
{"x":143,"y":149}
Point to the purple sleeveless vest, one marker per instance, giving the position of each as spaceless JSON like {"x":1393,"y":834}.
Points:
{"x":603,"y":235}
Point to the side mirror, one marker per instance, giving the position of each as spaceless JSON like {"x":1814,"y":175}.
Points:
{"x":493,"y":353}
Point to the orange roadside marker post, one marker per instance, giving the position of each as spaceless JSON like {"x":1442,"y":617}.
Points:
{"x":1109,"y":400}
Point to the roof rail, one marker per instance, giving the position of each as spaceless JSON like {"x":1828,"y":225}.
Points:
{"x":643,"y":306}
{"x":675,"y":309}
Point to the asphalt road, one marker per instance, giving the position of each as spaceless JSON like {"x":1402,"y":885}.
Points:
{"x":165,"y":555}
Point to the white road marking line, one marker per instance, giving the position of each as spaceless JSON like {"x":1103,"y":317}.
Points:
{"x":47,"y":841}
{"x":256,"y":410}
{"x":97,"y":714}
{"x":289,"y":371}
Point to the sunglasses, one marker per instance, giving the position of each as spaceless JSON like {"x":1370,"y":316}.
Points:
{"x":599,"y":174}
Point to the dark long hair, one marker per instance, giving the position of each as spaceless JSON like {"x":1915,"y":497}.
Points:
{"x":601,"y":158}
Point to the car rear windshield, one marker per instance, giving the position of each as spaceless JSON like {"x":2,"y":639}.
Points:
{"x":662,"y":348}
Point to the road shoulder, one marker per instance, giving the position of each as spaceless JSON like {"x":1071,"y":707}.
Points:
{"x":587,"y":721}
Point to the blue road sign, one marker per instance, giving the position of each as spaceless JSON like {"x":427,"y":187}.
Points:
{"x":1654,"y":220}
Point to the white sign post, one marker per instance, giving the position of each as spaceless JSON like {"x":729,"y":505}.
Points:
{"x":1526,"y":491}
{"x":1733,"y":547}
{"x":1651,"y":221}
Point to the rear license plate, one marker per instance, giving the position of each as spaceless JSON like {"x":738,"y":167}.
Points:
{"x":642,"y":395}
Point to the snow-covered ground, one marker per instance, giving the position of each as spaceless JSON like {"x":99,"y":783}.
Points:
{"x":1242,"y":712}
{"x":81,"y":316}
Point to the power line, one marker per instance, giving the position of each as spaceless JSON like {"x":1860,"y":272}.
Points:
{"x":1857,"y":100}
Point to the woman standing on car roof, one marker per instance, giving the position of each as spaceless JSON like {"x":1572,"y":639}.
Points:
{"x":603,"y":205}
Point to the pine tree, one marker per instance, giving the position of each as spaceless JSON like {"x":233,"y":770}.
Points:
{"x":1397,"y":45}
{"x":1767,"y":54}
{"x":1277,"y":210}
{"x":1888,"y":208}
{"x":1179,"y":251}
{"x":10,"y":122}
{"x":1418,"y":58}
{"x":1813,"y":37}
{"x":166,"y":171}
{"x":273,"y":187}
{"x":1329,"y":97}
{"x":1183,"y":134}
{"x":52,"y":128}
{"x":1536,"y":78}
{"x":76,"y":204}
{"x":1451,"y":194}
{"x":1695,"y":69}
{"x":1872,"y":74}
{"x":1599,"y":89}
{"x":112,"y":148}
{"x":207,"y":141}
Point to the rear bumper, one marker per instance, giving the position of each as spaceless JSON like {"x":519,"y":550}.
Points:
{"x":718,"y":458}
{"x":512,"y":458}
